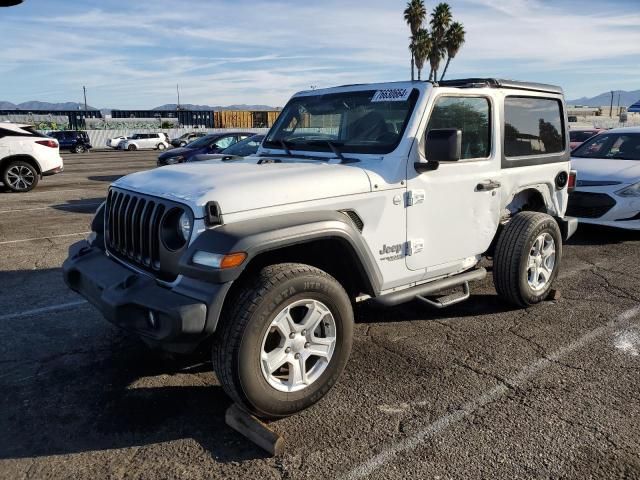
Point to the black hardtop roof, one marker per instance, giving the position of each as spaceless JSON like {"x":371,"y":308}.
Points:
{"x":500,"y":83}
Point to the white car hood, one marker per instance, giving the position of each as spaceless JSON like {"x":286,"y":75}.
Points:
{"x":246,"y":185}
{"x":624,"y":171}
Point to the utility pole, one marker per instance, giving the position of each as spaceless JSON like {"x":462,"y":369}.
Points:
{"x":84,"y":90}
{"x":611,"y":106}
{"x":178,"y":91}
{"x":618,"y":108}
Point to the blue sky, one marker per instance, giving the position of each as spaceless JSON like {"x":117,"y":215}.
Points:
{"x":131,"y":54}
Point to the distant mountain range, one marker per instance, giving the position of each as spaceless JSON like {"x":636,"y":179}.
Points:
{"x":190,"y":106}
{"x":626,"y":99}
{"x":36,"y":105}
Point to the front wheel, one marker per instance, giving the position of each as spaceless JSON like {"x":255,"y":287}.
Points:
{"x":285,"y":340}
{"x":527,"y":258}
{"x":132,"y":148}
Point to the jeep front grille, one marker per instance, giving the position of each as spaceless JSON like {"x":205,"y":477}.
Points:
{"x":132,"y":228}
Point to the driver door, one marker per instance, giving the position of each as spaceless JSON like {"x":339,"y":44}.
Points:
{"x":455,"y":208}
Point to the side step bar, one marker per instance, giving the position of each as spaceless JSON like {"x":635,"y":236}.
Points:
{"x":402,"y":296}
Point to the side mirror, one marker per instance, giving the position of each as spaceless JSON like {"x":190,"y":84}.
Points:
{"x":441,"y":145}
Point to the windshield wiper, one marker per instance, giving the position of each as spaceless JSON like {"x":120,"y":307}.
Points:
{"x":334,"y":148}
{"x":285,"y":147}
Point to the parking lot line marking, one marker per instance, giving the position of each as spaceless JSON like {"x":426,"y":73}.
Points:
{"x":7,"y":242}
{"x":75,"y":205}
{"x":37,"y":311}
{"x":414,"y":441}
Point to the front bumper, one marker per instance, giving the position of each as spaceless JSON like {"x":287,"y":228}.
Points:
{"x":174,"y":318}
{"x":602,"y":206}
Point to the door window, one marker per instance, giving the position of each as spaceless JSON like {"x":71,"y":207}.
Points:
{"x":472,"y":116}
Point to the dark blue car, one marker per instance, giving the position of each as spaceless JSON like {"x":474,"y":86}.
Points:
{"x":213,"y":143}
{"x":72,"y":140}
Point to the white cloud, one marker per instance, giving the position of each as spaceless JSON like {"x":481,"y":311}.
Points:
{"x":133,"y":54}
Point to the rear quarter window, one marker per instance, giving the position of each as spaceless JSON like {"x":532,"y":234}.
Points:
{"x":533,"y":126}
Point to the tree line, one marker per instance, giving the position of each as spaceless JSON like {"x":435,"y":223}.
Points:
{"x":441,"y":39}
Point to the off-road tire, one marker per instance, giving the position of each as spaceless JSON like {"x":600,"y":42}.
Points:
{"x":510,"y":261}
{"x":16,"y":166}
{"x":132,"y":148}
{"x":245,"y":320}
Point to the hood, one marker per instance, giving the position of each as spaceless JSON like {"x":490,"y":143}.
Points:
{"x":215,"y":156}
{"x":247,"y":185}
{"x":624,"y":171}
{"x":174,"y":152}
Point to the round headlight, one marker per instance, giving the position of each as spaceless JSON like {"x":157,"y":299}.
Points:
{"x":184,"y":226}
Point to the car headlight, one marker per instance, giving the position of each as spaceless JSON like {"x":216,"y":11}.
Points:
{"x":184,"y":226}
{"x":176,"y":229}
{"x":632,"y":191}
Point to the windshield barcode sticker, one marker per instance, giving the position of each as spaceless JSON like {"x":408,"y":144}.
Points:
{"x":391,"y":95}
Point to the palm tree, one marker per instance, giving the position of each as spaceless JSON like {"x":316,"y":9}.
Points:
{"x":414,"y":15}
{"x":440,"y":21}
{"x":422,"y":47}
{"x":454,"y":39}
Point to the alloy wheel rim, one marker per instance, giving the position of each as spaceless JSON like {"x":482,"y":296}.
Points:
{"x":20,"y":177}
{"x":298,"y":345}
{"x":542,"y":261}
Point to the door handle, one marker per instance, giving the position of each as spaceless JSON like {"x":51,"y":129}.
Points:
{"x":487,"y":186}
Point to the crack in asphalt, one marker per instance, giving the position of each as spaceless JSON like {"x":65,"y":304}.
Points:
{"x":491,"y":396}
{"x":593,"y":428}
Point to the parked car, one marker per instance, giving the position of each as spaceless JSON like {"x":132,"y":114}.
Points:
{"x":263,"y":259}
{"x":608,"y":186}
{"x":115,"y":141}
{"x":75,"y":141}
{"x":213,"y":143}
{"x":579,"y":135}
{"x":148,"y":141}
{"x":25,"y":156}
{"x":244,"y":148}
{"x":185,"y":138}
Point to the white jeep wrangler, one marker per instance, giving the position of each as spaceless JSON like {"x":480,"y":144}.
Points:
{"x":384,"y":193}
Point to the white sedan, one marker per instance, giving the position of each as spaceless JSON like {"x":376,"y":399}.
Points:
{"x":113,"y":142}
{"x":608,"y":188}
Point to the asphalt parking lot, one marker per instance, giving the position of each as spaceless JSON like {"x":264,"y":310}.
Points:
{"x":479,"y":390}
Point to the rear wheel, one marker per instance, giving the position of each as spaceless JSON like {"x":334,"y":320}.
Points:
{"x":285,"y":340}
{"x":161,"y":146}
{"x":527,"y":258}
{"x":79,"y":149}
{"x":20,"y":176}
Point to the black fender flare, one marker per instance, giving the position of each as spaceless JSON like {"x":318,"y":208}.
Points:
{"x":270,"y":233}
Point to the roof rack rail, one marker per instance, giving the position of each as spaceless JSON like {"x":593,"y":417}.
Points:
{"x":500,"y":83}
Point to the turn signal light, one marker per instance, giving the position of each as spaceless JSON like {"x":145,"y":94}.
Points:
{"x":233,"y":260}
{"x":48,"y":143}
{"x":216,"y":260}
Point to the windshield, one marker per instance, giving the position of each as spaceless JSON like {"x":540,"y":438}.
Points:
{"x":245,"y":147}
{"x":371,"y":121}
{"x":581,"y":135}
{"x":202,"y":142}
{"x":621,"y":146}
